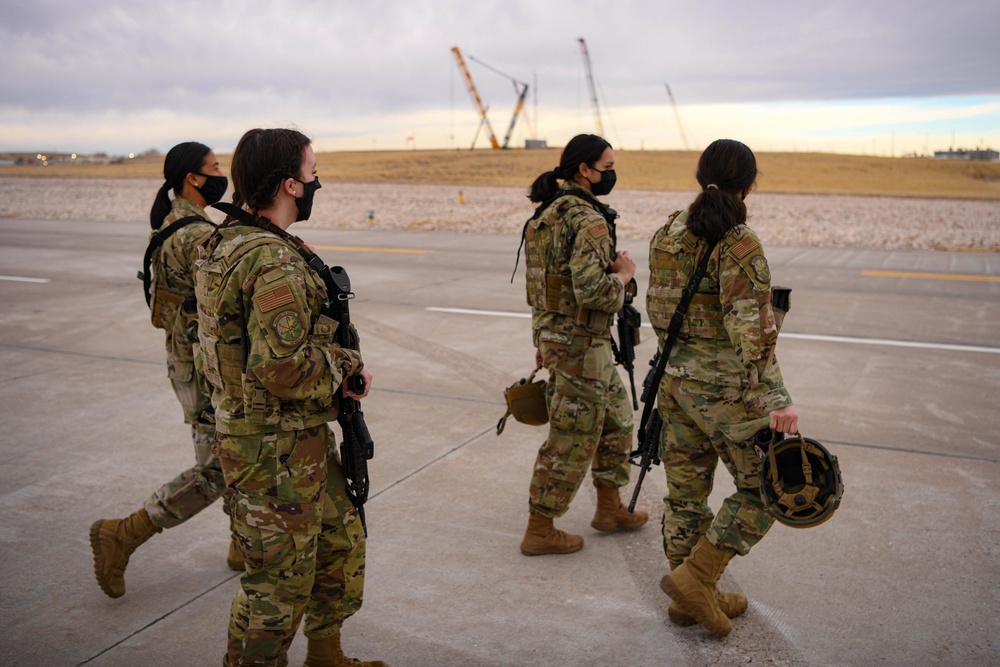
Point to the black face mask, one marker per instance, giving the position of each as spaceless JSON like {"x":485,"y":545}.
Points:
{"x":606,"y":184}
{"x":213,"y":188}
{"x":305,"y":203}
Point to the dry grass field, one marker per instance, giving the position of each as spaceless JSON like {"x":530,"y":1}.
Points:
{"x":789,"y":173}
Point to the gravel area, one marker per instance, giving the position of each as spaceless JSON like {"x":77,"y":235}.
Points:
{"x":779,"y":219}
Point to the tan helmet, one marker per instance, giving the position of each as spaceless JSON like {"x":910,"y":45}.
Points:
{"x":800,"y":481}
{"x":525,"y":402}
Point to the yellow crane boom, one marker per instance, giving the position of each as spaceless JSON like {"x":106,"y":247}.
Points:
{"x":475,"y":98}
{"x":520,"y":89}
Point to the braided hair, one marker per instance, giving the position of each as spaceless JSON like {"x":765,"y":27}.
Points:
{"x":261,"y":161}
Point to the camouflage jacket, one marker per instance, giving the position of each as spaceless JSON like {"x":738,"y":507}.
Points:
{"x":173,"y":270}
{"x":568,"y":246}
{"x":253,"y":285}
{"x":729,"y":333}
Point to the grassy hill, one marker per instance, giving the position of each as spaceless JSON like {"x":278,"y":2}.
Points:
{"x":812,"y":173}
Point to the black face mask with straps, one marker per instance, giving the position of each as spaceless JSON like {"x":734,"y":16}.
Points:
{"x":213,"y":188}
{"x":304,"y":204}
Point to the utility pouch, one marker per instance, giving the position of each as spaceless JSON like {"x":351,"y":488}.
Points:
{"x":164,"y":305}
{"x":525,"y":402}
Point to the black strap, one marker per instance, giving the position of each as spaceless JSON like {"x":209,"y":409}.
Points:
{"x":156,"y":240}
{"x":336,"y":280}
{"x":673,"y":329}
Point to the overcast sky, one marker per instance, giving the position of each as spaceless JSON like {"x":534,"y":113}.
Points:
{"x":842,"y":75}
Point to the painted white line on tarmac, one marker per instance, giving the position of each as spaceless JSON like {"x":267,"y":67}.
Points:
{"x":21,"y":279}
{"x":798,"y":336}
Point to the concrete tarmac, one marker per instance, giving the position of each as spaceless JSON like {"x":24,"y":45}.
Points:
{"x":892,"y":358}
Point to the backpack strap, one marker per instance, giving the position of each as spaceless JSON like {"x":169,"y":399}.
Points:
{"x":155,"y":242}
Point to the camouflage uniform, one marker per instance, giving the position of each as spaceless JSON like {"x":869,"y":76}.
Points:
{"x":196,"y":488}
{"x":301,"y":539}
{"x":568,"y":247}
{"x":721,"y":382}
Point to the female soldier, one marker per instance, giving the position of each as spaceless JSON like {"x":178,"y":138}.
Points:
{"x":191,"y":170}
{"x":276,"y":372}
{"x":576,"y":282}
{"x":721,"y":384}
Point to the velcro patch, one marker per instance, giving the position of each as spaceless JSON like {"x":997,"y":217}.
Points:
{"x":275,"y":298}
{"x":744,"y":247}
{"x":598,"y":231}
{"x":287,"y":326}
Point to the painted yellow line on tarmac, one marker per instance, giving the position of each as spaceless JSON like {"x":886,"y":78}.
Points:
{"x":361,"y":248}
{"x":932,"y":276}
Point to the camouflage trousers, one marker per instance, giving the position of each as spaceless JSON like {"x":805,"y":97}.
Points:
{"x":301,"y":540}
{"x":198,"y":487}
{"x":703,"y":424}
{"x":590,"y":423}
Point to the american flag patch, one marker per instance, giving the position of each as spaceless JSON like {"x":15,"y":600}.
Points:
{"x":275,"y":298}
{"x":744,"y":247}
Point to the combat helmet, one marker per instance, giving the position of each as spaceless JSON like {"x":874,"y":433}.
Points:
{"x":800,"y":481}
{"x":525,"y":402}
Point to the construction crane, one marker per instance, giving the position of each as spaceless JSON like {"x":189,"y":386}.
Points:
{"x":475,"y":100}
{"x":678,"y":115}
{"x":593,"y":88}
{"x":520,"y":89}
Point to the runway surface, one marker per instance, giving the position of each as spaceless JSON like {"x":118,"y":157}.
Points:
{"x":892,"y":358}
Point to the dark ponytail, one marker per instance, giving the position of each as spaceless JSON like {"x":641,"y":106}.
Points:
{"x":725,"y":170}
{"x":181,"y":160}
{"x":581,"y":149}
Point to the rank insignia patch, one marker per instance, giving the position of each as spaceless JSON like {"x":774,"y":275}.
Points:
{"x":275,"y":298}
{"x":287,"y":326}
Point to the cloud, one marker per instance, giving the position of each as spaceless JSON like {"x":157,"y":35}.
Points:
{"x":236,"y":63}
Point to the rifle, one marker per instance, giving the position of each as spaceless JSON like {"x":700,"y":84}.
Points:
{"x":629,"y":321}
{"x":356,"y":445}
{"x":651,"y":423}
{"x":648,"y":453}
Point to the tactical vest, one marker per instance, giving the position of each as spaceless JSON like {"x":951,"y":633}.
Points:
{"x":223,"y":310}
{"x":548,"y":248}
{"x":164,"y":302}
{"x":673,"y":256}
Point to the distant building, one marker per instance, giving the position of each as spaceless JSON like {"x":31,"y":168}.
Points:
{"x":981,"y":154}
{"x":536,"y":143}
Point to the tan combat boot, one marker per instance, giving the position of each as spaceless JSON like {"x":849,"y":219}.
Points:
{"x":542,"y":537}
{"x":326,"y":652}
{"x":731,"y":604}
{"x":113,"y":541}
{"x":611,"y":514}
{"x":692,"y":586}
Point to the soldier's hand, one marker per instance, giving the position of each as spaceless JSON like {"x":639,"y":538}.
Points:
{"x":785,"y":420}
{"x":623,"y":266}
{"x":346,"y":388}
{"x":538,"y":358}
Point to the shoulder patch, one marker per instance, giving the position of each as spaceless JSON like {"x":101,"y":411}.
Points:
{"x":275,"y":298}
{"x":744,"y":247}
{"x":759,"y":266}
{"x":288,"y":328}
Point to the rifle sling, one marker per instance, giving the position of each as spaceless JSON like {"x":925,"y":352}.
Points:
{"x":315,"y":262}
{"x":673,"y":330}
